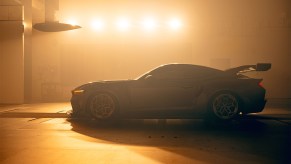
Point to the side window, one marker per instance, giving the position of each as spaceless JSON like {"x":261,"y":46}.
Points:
{"x":198,"y":73}
{"x":177,"y":74}
{"x":170,"y":75}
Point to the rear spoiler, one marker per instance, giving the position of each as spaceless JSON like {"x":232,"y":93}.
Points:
{"x":249,"y":68}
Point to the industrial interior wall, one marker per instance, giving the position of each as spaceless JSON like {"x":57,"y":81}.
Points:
{"x":221,"y":34}
{"x":11,"y":54}
{"x":11,"y":63}
{"x":290,"y":60}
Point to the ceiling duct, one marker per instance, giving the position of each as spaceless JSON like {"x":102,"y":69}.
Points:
{"x":52,"y":23}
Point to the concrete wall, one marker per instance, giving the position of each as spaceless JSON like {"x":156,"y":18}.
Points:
{"x":11,"y":53}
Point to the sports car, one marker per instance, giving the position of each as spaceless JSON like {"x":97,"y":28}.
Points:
{"x":174,"y":91}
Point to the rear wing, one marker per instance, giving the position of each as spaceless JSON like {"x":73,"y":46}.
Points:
{"x":249,"y":68}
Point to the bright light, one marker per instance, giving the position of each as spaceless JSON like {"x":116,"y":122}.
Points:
{"x":149,"y":24}
{"x":175,"y":24}
{"x":72,"y":22}
{"x":123,"y":24}
{"x":97,"y":24}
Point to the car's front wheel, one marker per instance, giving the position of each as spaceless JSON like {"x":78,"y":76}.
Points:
{"x":224,"y":106}
{"x":102,"y":106}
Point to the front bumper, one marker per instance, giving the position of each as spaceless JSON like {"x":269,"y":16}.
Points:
{"x":78,"y":104}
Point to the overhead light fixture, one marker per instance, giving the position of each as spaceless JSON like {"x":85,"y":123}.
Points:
{"x":54,"y":27}
{"x":51,"y":23}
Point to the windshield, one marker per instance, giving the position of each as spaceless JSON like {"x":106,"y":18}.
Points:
{"x":142,"y":76}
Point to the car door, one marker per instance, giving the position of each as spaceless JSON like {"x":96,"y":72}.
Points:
{"x":169,"y":92}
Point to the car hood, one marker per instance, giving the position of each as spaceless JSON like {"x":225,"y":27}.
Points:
{"x":104,"y":82}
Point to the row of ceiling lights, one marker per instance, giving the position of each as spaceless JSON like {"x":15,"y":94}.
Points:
{"x":124,"y":24}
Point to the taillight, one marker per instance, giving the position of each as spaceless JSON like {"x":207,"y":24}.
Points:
{"x":261,"y":84}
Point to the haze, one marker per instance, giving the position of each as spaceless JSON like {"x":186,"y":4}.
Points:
{"x":123,"y":39}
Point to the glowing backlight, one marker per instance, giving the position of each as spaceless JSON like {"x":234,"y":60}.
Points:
{"x":149,"y":23}
{"x":97,"y":25}
{"x":175,"y":24}
{"x":123,"y":24}
{"x":72,"y":22}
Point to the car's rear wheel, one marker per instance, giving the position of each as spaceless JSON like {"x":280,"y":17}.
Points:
{"x":224,"y":106}
{"x":102,"y":106}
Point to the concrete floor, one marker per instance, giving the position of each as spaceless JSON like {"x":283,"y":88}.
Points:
{"x":42,"y":133}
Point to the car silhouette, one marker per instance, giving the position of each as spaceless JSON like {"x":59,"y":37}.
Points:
{"x":174,"y":91}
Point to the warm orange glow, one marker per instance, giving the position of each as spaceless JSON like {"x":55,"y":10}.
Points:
{"x":72,"y":22}
{"x":175,"y":23}
{"x":97,"y":25}
{"x":123,"y":24}
{"x":124,"y":39}
{"x":149,"y":24}
{"x":24,"y":24}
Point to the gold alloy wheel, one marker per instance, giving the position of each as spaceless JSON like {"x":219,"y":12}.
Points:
{"x":225,"y":106}
{"x":102,"y":106}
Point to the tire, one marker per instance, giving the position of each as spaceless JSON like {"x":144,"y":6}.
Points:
{"x":102,"y":106}
{"x":223,"y":106}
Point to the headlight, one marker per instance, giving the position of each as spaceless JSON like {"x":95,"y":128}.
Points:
{"x":78,"y":92}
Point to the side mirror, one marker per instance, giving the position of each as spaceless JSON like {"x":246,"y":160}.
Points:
{"x":149,"y":77}
{"x":263,"y":66}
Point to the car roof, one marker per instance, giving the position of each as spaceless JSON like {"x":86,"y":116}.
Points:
{"x":187,"y":67}
{"x":183,"y":68}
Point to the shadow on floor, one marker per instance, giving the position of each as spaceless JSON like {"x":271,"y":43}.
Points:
{"x":240,"y":140}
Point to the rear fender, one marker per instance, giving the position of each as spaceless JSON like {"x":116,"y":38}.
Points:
{"x":212,"y":94}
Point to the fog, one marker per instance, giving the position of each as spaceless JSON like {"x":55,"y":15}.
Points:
{"x":219,"y":34}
